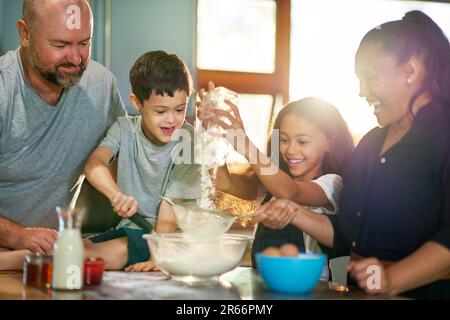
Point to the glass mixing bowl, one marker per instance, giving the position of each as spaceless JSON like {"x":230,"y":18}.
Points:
{"x":192,"y":259}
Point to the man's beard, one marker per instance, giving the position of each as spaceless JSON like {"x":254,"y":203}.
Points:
{"x":52,"y":75}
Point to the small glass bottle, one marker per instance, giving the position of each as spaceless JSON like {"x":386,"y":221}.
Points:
{"x":68,"y":255}
{"x":93,"y":271}
{"x":46,"y":272}
{"x":32,"y":270}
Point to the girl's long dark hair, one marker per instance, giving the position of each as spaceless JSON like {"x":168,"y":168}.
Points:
{"x":328,"y":119}
{"x":416,"y":34}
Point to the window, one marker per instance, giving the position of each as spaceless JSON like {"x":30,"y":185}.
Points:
{"x":236,"y":35}
{"x":325,"y":37}
{"x":290,"y":49}
{"x":244,"y":45}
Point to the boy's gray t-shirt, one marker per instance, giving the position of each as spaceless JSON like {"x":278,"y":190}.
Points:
{"x":144,"y":170}
{"x":43,"y":148}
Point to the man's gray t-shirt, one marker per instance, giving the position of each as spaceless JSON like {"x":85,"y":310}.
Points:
{"x":43,"y":148}
{"x":145,"y":170}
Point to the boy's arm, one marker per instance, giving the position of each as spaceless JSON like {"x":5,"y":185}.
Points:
{"x":98,"y":172}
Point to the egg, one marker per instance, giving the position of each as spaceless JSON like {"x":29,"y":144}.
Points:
{"x":272,"y":251}
{"x":289,"y":250}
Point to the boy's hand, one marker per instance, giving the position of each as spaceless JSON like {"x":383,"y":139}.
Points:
{"x":125,"y":206}
{"x":142,"y":267}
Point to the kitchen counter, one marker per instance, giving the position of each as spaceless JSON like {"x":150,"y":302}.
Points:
{"x":239,"y":284}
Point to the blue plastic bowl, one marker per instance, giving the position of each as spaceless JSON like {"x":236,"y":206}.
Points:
{"x":291,"y":274}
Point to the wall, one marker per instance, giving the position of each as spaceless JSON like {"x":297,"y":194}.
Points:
{"x":1,"y":27}
{"x":98,"y":37}
{"x":10,"y":12}
{"x":138,"y":26}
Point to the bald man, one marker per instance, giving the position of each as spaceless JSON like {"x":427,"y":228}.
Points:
{"x":55,"y":107}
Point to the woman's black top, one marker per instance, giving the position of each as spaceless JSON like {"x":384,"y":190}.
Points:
{"x":393,"y":203}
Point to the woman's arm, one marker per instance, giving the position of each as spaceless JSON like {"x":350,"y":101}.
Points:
{"x":277,"y":214}
{"x":427,"y":264}
{"x":316,"y":225}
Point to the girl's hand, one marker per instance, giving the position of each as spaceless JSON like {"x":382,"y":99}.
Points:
{"x":234,"y":127}
{"x":201,"y":93}
{"x":143,"y":267}
{"x":125,"y":206}
{"x":370,"y":275}
{"x":276,"y":214}
{"x":232,"y":115}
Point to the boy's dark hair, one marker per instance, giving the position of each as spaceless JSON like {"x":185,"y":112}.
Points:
{"x":328,"y":119}
{"x":161,"y":72}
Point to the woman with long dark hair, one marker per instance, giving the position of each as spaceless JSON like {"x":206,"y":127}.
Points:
{"x":394,"y":212}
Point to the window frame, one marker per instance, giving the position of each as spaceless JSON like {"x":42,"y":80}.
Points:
{"x":274,"y":84}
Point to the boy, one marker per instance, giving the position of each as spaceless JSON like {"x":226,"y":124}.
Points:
{"x":161,"y":86}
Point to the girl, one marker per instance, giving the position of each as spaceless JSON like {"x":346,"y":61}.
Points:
{"x":314,"y":143}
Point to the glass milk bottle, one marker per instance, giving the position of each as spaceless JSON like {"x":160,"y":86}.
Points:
{"x":68,"y":255}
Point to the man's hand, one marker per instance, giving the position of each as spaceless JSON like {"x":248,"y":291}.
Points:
{"x":39,"y":240}
{"x":125,"y":206}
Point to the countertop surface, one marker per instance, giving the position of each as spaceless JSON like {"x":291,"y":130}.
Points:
{"x":239,"y":284}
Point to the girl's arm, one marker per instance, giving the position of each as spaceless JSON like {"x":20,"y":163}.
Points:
{"x":277,"y":182}
{"x":243,"y":186}
{"x":99,"y":174}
